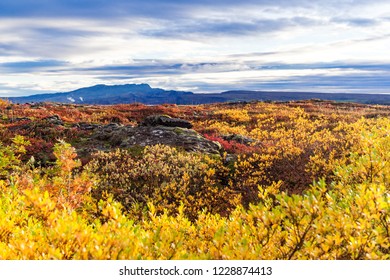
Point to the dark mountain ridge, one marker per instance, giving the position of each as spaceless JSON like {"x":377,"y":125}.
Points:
{"x":143,"y":93}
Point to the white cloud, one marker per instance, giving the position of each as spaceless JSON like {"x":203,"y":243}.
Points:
{"x":211,"y":45}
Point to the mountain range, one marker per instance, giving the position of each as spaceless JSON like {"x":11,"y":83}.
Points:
{"x":143,"y":93}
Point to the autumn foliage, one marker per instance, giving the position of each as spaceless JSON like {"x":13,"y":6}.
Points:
{"x":304,"y":180}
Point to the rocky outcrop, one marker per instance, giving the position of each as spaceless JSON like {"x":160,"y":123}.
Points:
{"x":128,"y":136}
{"x":167,"y":121}
{"x":153,"y":130}
{"x":156,"y":129}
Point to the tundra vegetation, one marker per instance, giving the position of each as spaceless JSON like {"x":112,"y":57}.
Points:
{"x":296,"y":180}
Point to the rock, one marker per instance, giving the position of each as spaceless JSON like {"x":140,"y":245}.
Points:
{"x":111,"y":126}
{"x":37,"y":104}
{"x":230,"y":159}
{"x":163,"y":120}
{"x":129,"y":136}
{"x":21,"y":119}
{"x":87,"y":126}
{"x":55,"y":119}
{"x":238,"y":138}
{"x":152,"y":131}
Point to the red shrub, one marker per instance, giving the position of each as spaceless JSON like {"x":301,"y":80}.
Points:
{"x":231,"y":146}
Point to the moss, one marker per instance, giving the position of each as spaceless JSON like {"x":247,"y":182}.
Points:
{"x":179,"y":131}
{"x":136,"y":151}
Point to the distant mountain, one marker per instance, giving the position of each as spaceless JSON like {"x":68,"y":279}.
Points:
{"x":103,"y":94}
{"x":143,"y":93}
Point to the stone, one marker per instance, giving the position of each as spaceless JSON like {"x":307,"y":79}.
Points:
{"x":129,"y":136}
{"x":238,"y":138}
{"x":21,"y":119}
{"x":54,"y":119}
{"x":87,"y":126}
{"x":164,"y":120}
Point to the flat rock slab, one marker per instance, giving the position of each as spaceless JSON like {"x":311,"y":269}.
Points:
{"x":161,"y":120}
{"x":128,"y":136}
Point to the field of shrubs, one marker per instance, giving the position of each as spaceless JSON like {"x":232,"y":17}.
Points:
{"x":296,"y":180}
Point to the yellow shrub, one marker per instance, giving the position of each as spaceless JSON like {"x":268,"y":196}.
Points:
{"x":235,"y":115}
{"x":48,"y":213}
{"x":165,"y":177}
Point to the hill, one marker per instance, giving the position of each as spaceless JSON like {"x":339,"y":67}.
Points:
{"x":143,"y":93}
{"x":104,"y":94}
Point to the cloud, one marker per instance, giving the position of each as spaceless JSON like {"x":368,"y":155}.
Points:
{"x":59,"y":45}
{"x":216,"y":76}
{"x":19,"y":89}
{"x":30,"y":66}
{"x":152,"y":68}
{"x":139,"y":68}
{"x":226,"y":27}
{"x":331,"y":83}
{"x":211,"y":77}
{"x":353,"y":83}
{"x":358,"y":22}
{"x":6,"y":49}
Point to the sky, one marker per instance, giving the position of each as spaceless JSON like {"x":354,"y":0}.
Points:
{"x":200,"y":46}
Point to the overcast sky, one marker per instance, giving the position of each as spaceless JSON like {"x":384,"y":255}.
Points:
{"x":201,"y":46}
